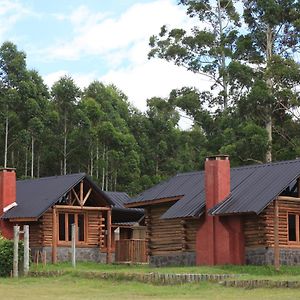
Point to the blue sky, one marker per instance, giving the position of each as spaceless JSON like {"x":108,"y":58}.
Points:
{"x":104,"y":40}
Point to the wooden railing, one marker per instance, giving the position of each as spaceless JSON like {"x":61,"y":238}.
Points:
{"x":132,"y":251}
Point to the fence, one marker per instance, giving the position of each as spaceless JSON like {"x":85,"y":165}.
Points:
{"x":131,"y":251}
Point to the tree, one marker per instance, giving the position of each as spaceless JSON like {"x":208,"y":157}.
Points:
{"x":12,"y":73}
{"x":269,"y":46}
{"x":65,"y":95}
{"x":206,"y":49}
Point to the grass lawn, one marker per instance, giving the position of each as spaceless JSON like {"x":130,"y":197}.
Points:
{"x":71,"y":287}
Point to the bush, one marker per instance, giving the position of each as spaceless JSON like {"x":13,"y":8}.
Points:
{"x":7,"y":255}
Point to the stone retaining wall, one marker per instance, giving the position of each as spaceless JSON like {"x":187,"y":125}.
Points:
{"x":265,"y":256}
{"x":156,"y":278}
{"x":261,"y":284}
{"x":182,"y":259}
{"x":82,"y":254}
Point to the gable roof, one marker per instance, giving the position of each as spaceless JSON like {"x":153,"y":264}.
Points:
{"x":35,"y":196}
{"x":252,"y":189}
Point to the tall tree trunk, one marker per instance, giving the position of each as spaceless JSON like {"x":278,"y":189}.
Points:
{"x":103,"y":168}
{"x":26,"y":163}
{"x":269,"y":123}
{"x":107,"y":179}
{"x":6,"y":141}
{"x":97,"y":161}
{"x":65,"y":147}
{"x":38,"y":166}
{"x":32,"y":156}
{"x":222,"y":70}
{"x":92,"y":163}
{"x":116,"y":176}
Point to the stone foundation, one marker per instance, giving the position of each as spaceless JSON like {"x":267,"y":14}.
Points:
{"x":180,"y":259}
{"x":82,"y":254}
{"x":265,"y":256}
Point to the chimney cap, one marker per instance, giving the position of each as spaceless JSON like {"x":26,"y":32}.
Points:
{"x":218,"y":157}
{"x":7,"y":169}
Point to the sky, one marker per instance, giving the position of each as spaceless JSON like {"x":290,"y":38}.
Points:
{"x":105,"y":40}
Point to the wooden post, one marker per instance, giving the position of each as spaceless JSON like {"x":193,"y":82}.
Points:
{"x":26,"y":249}
{"x":108,"y":244}
{"x":73,"y":245}
{"x":54,"y":236}
{"x":81,"y":193}
{"x":16,"y":251}
{"x":276,"y":237}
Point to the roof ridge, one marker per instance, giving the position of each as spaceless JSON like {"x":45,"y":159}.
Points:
{"x":50,"y":177}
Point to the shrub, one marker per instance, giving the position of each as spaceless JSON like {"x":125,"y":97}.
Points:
{"x":7,"y":255}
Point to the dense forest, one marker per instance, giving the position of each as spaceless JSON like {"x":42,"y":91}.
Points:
{"x":250,"y":111}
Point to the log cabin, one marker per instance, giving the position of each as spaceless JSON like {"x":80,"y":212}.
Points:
{"x":223,"y":215}
{"x":51,"y":205}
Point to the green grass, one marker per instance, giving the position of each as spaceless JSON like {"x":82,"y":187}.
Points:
{"x":248,"y":272}
{"x":72,"y":287}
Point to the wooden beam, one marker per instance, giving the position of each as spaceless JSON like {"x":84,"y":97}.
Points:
{"x":81,"y":208}
{"x":298,"y":187}
{"x":76,"y":197}
{"x":54,"y":236}
{"x":289,"y":198}
{"x":87,"y":195}
{"x":81,"y":193}
{"x":16,"y":220}
{"x":276,"y":237}
{"x":108,"y":243}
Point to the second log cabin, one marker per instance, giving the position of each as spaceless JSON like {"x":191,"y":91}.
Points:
{"x":51,"y":205}
{"x":244,"y":215}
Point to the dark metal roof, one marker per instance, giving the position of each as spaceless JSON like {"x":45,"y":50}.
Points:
{"x":252,"y":189}
{"x":35,"y":196}
{"x":120,"y":214}
{"x":118,"y":198}
{"x":256,"y":192}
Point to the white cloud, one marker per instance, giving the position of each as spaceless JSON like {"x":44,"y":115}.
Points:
{"x":152,"y":78}
{"x":82,"y":80}
{"x":11,"y":12}
{"x":123,"y":44}
{"x":98,"y":33}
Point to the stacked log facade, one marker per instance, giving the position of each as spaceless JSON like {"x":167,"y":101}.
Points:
{"x":170,"y":241}
{"x":260,"y":235}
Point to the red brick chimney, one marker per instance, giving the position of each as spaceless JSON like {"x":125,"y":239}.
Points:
{"x":219,"y":238}
{"x":7,"y":198}
{"x":217,"y":179}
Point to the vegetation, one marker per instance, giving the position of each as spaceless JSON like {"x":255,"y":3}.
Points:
{"x":72,"y":286}
{"x":249,"y":112}
{"x":7,"y":254}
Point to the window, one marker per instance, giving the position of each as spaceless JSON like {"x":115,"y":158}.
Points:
{"x":65,"y":221}
{"x":293,"y":228}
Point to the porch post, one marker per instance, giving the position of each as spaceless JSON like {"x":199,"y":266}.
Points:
{"x":108,"y":243}
{"x":276,"y":237}
{"x":54,"y":236}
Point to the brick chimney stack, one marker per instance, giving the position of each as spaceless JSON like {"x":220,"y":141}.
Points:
{"x":217,"y":179}
{"x":7,"y":198}
{"x":219,"y":239}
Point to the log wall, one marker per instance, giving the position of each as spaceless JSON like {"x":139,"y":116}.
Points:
{"x":259,"y":230}
{"x":172,"y":236}
{"x":95,"y":231}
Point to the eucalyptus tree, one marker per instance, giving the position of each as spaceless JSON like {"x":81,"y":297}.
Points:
{"x":12,"y":73}
{"x":65,"y":94}
{"x":269,"y":48}
{"x":207,"y":48}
